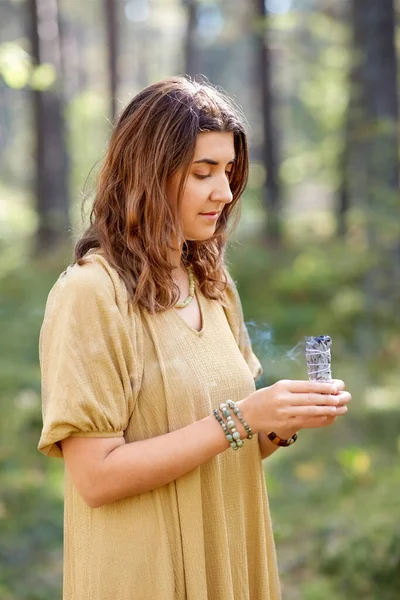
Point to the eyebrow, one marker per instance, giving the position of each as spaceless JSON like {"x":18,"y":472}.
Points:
{"x":210,"y":161}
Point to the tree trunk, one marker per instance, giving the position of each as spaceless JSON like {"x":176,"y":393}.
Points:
{"x":111,"y":20}
{"x":271,"y":194}
{"x":343,"y":200}
{"x":375,"y":115}
{"x":52,"y":202}
{"x":348,"y":158}
{"x":373,"y":157}
{"x":191,"y":49}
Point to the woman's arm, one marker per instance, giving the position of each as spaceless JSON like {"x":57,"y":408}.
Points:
{"x":266,"y":446}
{"x":108,"y":469}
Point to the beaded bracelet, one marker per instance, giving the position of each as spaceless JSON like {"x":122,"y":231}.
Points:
{"x":229,"y":428}
{"x":237,"y":412}
{"x":275,"y":439}
{"x":232,"y":435}
{"x":231,"y":424}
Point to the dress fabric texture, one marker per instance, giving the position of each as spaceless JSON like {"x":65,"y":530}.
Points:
{"x":109,"y":369}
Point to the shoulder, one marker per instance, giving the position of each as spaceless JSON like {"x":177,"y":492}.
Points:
{"x":93,"y":281}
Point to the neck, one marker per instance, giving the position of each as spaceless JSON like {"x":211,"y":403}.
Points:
{"x":176,"y":260}
{"x":175,"y":256}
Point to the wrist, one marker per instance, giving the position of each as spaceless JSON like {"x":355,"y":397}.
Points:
{"x":278,"y":441}
{"x":247,"y":414}
{"x":284,"y":434}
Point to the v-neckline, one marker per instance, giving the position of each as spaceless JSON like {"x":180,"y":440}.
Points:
{"x":198,"y":332}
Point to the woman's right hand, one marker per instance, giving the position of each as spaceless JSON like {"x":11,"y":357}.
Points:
{"x":287,"y":406}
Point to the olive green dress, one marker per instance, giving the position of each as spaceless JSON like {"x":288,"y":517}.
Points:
{"x":111,"y":369}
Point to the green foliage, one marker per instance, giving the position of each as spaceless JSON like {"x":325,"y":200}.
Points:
{"x":15,"y":65}
{"x":315,"y":288}
{"x":335,"y":508}
{"x":18,"y":72}
{"x":367,"y":564}
{"x":31,"y":506}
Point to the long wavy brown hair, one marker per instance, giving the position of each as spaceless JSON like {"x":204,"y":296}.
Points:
{"x":131,"y":220}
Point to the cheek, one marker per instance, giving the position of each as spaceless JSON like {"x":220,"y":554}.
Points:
{"x":188,"y":213}
{"x":193,"y":199}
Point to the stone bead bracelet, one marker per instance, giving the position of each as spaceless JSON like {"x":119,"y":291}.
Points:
{"x":237,"y":412}
{"x":232,"y":435}
{"x":229,"y":428}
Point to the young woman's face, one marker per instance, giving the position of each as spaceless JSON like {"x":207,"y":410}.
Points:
{"x":207,"y":188}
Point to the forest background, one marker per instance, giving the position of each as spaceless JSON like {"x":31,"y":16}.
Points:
{"x":317,"y":250}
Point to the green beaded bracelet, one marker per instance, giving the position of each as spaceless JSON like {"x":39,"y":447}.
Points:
{"x":230,"y":423}
{"x":233,"y":442}
{"x":237,"y":412}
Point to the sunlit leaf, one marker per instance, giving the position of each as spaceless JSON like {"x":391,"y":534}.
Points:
{"x":15,"y":65}
{"x":354,"y":460}
{"x":43,"y":77}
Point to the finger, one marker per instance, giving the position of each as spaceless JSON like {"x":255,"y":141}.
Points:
{"x":339,"y":384}
{"x":316,"y":411}
{"x":343,"y":398}
{"x":318,"y":387}
{"x":312,"y":398}
{"x":339,"y":411}
{"x":314,"y":423}
{"x":328,"y":421}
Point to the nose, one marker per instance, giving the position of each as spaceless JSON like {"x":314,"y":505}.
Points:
{"x":222,"y":191}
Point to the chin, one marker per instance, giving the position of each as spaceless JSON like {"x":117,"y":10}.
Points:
{"x":203,"y":238}
{"x":200,"y":236}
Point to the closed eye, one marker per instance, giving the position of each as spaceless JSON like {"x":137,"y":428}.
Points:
{"x":198,"y":176}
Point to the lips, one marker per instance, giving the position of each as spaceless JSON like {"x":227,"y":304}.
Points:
{"x":210,"y":214}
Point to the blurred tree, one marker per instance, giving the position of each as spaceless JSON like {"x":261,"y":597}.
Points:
{"x":371,"y":174}
{"x":52,"y":200}
{"x":271,"y":193}
{"x":191,"y":49}
{"x":372,"y":139}
{"x":111,"y":20}
{"x":343,"y":200}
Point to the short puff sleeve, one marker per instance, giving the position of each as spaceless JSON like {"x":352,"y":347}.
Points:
{"x":234,"y":314}
{"x":86,"y":357}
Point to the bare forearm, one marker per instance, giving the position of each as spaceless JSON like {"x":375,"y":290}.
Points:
{"x":266,"y":446}
{"x":139,"y":467}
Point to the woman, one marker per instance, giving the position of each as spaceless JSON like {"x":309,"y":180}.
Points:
{"x":143,"y":339}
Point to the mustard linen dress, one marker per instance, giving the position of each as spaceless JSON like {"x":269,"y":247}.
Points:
{"x":111,"y":369}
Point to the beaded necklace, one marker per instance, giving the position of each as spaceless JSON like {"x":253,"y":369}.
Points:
{"x":188,"y":300}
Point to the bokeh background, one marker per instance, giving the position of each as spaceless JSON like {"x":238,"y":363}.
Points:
{"x":317,"y":250}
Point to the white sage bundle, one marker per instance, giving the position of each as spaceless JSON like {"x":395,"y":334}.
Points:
{"x":318,"y":358}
